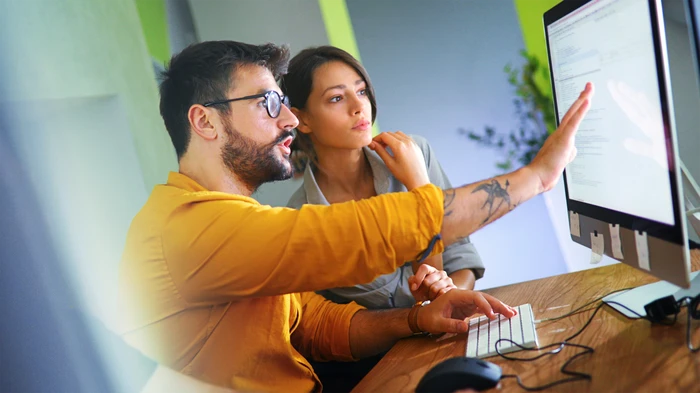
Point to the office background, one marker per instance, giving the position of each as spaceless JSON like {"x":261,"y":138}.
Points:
{"x":87,"y":68}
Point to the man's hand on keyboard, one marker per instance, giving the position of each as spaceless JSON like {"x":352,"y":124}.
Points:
{"x":447,"y":313}
{"x":428,"y":283}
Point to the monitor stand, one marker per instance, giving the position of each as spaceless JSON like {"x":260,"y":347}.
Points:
{"x":635,"y":299}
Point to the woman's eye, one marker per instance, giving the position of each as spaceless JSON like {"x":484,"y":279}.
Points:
{"x":262,"y":103}
{"x":363,"y":92}
{"x":335,"y":99}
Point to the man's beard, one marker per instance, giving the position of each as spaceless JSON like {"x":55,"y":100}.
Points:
{"x":252,"y":163}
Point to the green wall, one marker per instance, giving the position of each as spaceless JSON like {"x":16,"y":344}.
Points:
{"x":339,"y":26}
{"x":530,"y":15}
{"x":154,"y":23}
{"x":340,"y":32}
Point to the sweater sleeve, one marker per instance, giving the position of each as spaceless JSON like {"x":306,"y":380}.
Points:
{"x":221,"y":250}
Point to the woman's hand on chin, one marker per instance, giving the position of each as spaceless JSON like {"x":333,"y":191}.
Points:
{"x":406,"y":162}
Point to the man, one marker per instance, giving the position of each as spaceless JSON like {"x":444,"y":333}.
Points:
{"x":221,"y":288}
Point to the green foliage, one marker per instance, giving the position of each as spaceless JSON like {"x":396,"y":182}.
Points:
{"x":535,"y":111}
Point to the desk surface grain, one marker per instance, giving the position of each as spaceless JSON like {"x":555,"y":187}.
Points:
{"x":630,"y":355}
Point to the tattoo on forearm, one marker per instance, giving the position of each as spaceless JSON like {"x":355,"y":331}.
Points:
{"x":449,"y":198}
{"x":495,"y":193}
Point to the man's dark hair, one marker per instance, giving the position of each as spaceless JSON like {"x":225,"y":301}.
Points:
{"x":205,"y":72}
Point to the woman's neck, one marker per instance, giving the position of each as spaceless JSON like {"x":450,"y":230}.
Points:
{"x":343,"y":174}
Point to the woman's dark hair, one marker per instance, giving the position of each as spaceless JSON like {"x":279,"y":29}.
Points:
{"x":205,"y":72}
{"x":298,"y":83}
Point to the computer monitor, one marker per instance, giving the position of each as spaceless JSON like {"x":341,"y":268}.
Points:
{"x":624,"y":188}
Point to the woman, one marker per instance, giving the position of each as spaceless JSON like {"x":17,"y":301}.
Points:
{"x":333,"y":98}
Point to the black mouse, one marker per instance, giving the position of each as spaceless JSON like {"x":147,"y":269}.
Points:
{"x":460,"y":373}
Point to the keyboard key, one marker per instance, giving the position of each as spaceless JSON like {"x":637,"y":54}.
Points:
{"x":483,"y":339}
{"x":484,"y":334}
{"x":503,"y":346}
{"x":516,"y":330}
{"x":472,"y":338}
{"x":528,"y":324}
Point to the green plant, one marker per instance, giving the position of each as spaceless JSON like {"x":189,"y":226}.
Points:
{"x":535,"y":112}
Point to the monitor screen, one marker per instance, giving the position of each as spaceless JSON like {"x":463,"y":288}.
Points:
{"x":623,"y":160}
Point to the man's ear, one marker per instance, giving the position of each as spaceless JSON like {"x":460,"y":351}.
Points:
{"x":303,"y":126}
{"x":202,"y":121}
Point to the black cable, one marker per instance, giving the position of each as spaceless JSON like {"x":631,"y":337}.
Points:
{"x":585,"y":305}
{"x":685,"y":301}
{"x":667,"y":323}
{"x":575,"y":375}
{"x":559,"y":346}
{"x":586,"y":324}
{"x":693,"y":245}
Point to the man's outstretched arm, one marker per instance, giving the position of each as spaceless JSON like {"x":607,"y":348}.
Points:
{"x":471,"y":207}
{"x":209,"y":246}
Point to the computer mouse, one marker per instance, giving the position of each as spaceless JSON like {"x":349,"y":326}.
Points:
{"x":460,"y":373}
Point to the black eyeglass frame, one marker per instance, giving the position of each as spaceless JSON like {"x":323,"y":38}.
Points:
{"x":282,"y":99}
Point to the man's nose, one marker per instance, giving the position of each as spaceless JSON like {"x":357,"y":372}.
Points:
{"x":286,"y":119}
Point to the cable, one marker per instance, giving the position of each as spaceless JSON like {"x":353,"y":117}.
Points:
{"x":683,"y":302}
{"x":680,"y":303}
{"x":693,"y":245}
{"x":574,"y":375}
{"x":585,"y":305}
{"x":638,"y":315}
{"x":578,"y":376}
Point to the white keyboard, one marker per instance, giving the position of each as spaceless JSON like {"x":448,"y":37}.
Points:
{"x":483,"y":333}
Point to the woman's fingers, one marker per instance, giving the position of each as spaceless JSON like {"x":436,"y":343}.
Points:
{"x":380,"y":149}
{"x":431,"y":279}
{"x":419,"y":276}
{"x":443,"y":281}
{"x":387,"y":139}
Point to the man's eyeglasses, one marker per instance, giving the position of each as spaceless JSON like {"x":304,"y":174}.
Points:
{"x":273,"y":102}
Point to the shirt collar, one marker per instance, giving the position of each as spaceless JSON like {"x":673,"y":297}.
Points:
{"x":184,"y":182}
{"x":380,"y":172}
{"x":313,"y":192}
{"x":179,"y":180}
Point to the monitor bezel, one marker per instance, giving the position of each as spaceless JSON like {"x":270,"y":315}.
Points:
{"x":671,"y":233}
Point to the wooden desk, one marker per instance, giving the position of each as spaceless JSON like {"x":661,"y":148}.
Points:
{"x":630,"y":355}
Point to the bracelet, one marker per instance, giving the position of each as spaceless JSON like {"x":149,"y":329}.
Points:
{"x":413,"y":318}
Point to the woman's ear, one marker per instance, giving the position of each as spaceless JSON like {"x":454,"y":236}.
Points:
{"x":202,"y":122}
{"x":303,"y":125}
